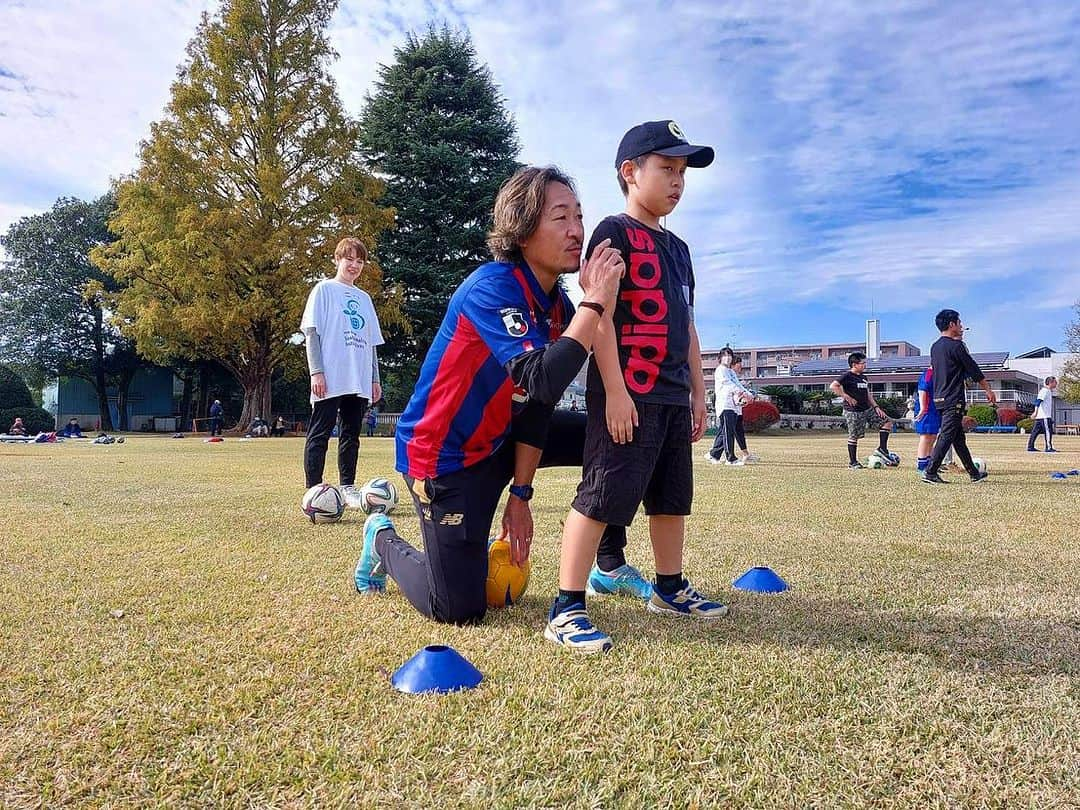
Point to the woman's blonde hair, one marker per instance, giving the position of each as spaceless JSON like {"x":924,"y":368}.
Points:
{"x":518,"y":207}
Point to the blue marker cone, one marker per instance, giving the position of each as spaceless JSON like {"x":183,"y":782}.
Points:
{"x":436,"y":668}
{"x":761,"y":579}
{"x":1059,"y":476}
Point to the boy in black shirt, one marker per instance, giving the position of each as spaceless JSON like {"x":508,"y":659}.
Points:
{"x":861,"y":411}
{"x":645,"y":392}
{"x":952,"y":364}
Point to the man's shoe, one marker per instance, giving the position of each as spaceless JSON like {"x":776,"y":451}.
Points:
{"x":351,"y":493}
{"x":624,"y":579}
{"x":370,"y":575}
{"x":572,"y":629}
{"x":1050,"y":450}
{"x":1034,"y":450}
{"x":932,"y":479}
{"x":855,"y":466}
{"x":979,"y":476}
{"x":686,"y":602}
{"x":886,"y":457}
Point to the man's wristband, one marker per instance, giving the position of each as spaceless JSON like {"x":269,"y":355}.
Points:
{"x":524,"y":492}
{"x":595,"y":307}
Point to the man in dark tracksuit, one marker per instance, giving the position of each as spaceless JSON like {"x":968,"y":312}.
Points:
{"x":952,"y":365}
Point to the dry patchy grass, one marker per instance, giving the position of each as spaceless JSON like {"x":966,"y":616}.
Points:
{"x":927,"y":655}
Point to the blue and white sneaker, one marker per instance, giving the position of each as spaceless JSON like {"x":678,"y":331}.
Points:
{"x":370,"y":575}
{"x":624,"y":579}
{"x":686,"y":602}
{"x":887,"y":458}
{"x":572,"y":629}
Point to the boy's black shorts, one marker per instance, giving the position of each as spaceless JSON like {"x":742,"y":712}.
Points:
{"x":655,"y":468}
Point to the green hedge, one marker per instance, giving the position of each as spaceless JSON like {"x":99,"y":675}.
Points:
{"x":35,"y":420}
{"x":983,"y":414}
{"x":1026,"y":425}
{"x":13,"y":392}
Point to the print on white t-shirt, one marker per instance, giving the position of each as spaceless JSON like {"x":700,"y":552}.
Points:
{"x":348,"y":329}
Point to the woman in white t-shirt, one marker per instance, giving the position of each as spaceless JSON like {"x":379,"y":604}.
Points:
{"x":341,"y":332}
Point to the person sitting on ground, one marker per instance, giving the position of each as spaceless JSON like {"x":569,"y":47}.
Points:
{"x":17,"y":428}
{"x":72,"y":430}
{"x":259,"y":428}
{"x":279,"y":427}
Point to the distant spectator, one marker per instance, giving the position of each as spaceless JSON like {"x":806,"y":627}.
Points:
{"x":259,"y":429}
{"x":1043,"y":417}
{"x":372,"y":419}
{"x":17,"y":428}
{"x":279,"y":427}
{"x":216,"y":412}
{"x":72,"y":430}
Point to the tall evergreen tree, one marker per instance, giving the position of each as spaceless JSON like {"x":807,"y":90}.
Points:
{"x":243,"y":189}
{"x":436,"y":129}
{"x":53,"y":300}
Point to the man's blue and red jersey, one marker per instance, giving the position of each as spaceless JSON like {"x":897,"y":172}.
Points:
{"x":460,"y":410}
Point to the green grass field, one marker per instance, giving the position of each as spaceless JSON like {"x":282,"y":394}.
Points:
{"x":928,"y":654}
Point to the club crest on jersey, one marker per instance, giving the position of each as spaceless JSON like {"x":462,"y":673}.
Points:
{"x":514,"y":321}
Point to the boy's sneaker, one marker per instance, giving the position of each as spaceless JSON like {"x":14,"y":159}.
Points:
{"x":1034,"y":450}
{"x":572,"y":629}
{"x":979,"y":476}
{"x":855,"y":466}
{"x":932,"y":479}
{"x":736,"y":463}
{"x":624,"y":579}
{"x":686,"y":602}
{"x":709,"y":457}
{"x":886,"y":457}
{"x":370,"y":575}
{"x":1049,"y":450}
{"x":351,"y":493}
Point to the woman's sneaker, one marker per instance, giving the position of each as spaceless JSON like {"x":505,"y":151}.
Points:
{"x":686,"y":602}
{"x":370,"y":575}
{"x":624,"y":579}
{"x":572,"y":629}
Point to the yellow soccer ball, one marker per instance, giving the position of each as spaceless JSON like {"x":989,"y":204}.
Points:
{"x":506,"y":582}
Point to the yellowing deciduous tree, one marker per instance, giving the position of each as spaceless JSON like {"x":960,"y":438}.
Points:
{"x":243,"y":189}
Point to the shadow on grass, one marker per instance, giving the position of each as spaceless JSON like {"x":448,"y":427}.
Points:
{"x":1006,"y":645}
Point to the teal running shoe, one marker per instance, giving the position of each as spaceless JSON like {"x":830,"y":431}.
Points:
{"x":624,"y":579}
{"x":573,"y":630}
{"x":370,"y":575}
{"x":686,"y":602}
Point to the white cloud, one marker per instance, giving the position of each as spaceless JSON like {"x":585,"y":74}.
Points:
{"x":862,"y":151}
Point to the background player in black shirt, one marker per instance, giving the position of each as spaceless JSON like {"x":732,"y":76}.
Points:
{"x":952,"y":366}
{"x":861,"y":411}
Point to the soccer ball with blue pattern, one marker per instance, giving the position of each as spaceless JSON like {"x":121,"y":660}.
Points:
{"x":323,"y":503}
{"x":378,"y":496}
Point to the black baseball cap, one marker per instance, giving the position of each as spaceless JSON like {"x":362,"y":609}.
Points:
{"x":663,"y":138}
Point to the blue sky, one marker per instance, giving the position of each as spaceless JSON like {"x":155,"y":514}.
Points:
{"x":871,"y":158}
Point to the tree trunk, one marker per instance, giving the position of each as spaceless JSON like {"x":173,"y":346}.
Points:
{"x":186,"y":415}
{"x":256,"y":398}
{"x":123,"y":385}
{"x":100,"y":386}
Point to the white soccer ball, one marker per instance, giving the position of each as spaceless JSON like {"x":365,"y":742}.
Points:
{"x":980,"y":465}
{"x":323,"y":503}
{"x":378,"y":495}
{"x":875,"y":463}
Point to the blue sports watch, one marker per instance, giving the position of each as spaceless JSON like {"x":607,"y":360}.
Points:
{"x":525,"y":492}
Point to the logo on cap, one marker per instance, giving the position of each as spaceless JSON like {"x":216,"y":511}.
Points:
{"x":675,"y":130}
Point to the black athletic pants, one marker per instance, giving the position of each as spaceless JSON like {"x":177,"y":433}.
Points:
{"x":445,"y":582}
{"x":1044,"y":428}
{"x":951,"y":435}
{"x":324,"y":416}
{"x":728,"y":431}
